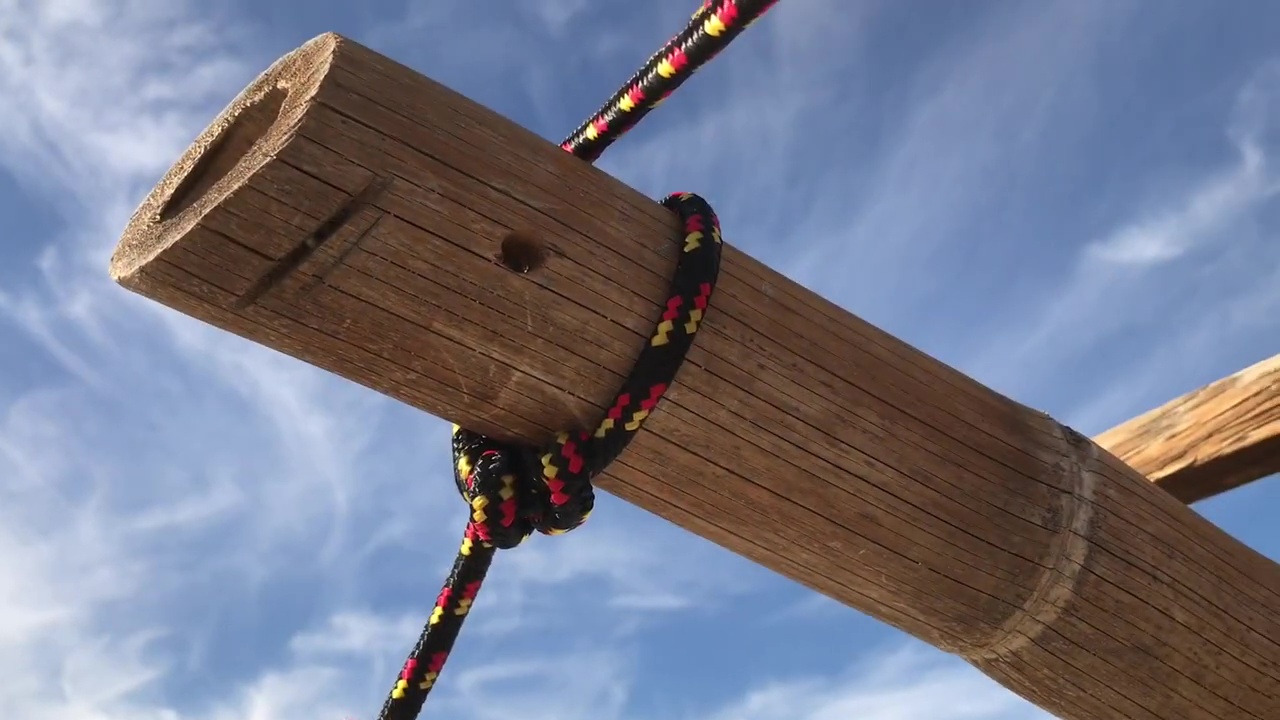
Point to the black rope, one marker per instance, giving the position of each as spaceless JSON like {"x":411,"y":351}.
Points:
{"x":710,"y":30}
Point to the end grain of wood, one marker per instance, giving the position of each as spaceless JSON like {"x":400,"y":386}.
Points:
{"x":1211,"y":440}
{"x":796,"y":435}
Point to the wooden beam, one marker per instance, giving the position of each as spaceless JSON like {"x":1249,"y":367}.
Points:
{"x":1222,"y":436}
{"x":352,"y":213}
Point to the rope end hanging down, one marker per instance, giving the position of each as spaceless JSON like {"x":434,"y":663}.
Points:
{"x":514,"y":491}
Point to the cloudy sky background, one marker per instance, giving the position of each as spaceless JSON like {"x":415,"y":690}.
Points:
{"x":1072,"y":200}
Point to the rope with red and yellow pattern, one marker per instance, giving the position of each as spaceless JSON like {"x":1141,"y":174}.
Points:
{"x":514,"y":491}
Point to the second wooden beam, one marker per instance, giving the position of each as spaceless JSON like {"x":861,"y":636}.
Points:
{"x":1211,"y":440}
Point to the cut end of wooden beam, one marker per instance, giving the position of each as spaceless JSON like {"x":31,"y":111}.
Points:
{"x":1211,"y":440}
{"x":243,"y":137}
{"x":338,"y":164}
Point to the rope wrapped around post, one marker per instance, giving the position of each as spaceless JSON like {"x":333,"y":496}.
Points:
{"x":514,"y":491}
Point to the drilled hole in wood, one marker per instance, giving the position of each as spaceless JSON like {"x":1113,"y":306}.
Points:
{"x":522,"y":253}
{"x":250,"y":124}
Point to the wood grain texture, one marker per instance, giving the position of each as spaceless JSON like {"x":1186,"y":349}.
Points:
{"x":360,"y":234}
{"x":1222,"y":436}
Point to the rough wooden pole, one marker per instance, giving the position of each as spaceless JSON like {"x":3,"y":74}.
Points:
{"x":352,"y":213}
{"x":1222,"y":436}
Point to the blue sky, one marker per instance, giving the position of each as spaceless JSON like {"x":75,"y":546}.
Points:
{"x":1074,"y":201}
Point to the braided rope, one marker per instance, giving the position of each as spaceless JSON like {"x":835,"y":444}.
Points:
{"x":710,"y":30}
{"x":514,"y":491}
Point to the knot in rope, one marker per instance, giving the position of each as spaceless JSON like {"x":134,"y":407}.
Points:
{"x":514,"y":491}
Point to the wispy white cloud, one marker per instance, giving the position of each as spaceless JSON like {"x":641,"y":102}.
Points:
{"x":1220,"y":199}
{"x":1216,"y":202}
{"x":1153,"y":272}
{"x":977,"y":119}
{"x":754,"y":128}
{"x":633,"y":576}
{"x":907,"y":682}
{"x":578,"y":685}
{"x":557,"y":15}
{"x":77,"y":131}
{"x":875,"y":181}
{"x":155,"y":459}
{"x":104,"y":105}
{"x":812,"y":606}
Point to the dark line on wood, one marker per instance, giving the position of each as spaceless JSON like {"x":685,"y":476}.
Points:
{"x":320,"y":275}
{"x":326,"y":230}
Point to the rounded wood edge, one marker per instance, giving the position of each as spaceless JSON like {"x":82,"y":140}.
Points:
{"x":1064,"y":558}
{"x":248,"y":132}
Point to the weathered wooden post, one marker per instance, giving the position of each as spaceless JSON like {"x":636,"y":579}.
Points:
{"x":1211,"y":440}
{"x":353,"y":213}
